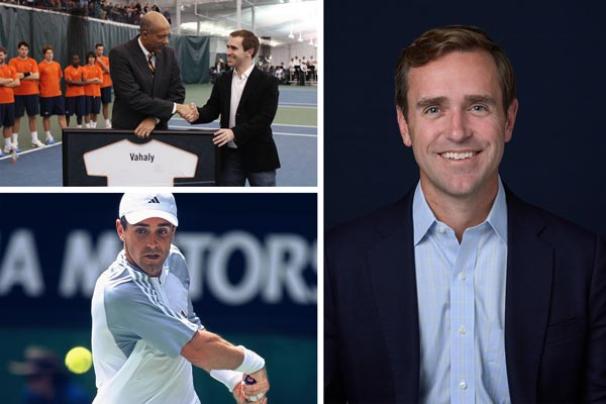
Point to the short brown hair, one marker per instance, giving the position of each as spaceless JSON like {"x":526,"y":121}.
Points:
{"x":249,"y":40}
{"x":438,"y":42}
{"x":46,"y":48}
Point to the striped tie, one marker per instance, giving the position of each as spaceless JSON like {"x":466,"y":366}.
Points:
{"x":150,"y":62}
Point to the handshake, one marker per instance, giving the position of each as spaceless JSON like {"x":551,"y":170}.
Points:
{"x":189,"y":112}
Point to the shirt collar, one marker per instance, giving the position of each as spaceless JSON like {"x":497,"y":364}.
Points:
{"x":423,"y":218}
{"x":246,"y":73}
{"x":497,"y":218}
{"x":145,"y":51}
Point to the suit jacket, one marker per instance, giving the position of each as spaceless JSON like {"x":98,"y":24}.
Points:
{"x":254,"y":116}
{"x":555,"y":309}
{"x":139,"y":92}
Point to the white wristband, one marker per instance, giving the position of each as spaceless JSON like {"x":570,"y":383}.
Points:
{"x":251,"y":363}
{"x":230,"y":378}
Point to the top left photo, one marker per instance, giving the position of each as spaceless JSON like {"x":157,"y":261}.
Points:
{"x":188,"y":93}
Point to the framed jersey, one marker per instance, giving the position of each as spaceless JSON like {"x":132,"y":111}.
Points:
{"x":93,"y":157}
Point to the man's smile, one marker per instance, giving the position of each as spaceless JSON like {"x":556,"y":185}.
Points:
{"x":458,"y":155}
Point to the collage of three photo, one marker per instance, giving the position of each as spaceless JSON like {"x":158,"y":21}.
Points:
{"x":302,"y":201}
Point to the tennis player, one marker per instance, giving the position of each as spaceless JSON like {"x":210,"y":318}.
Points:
{"x":145,"y":334}
{"x":51,"y":97}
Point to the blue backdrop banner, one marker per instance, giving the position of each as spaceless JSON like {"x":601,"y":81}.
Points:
{"x":252,"y":258}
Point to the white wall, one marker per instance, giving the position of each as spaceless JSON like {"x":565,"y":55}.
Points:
{"x":217,"y":45}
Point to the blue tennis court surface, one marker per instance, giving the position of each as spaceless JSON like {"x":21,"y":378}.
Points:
{"x":297,"y":146}
{"x":298,"y":97}
{"x":38,"y":167}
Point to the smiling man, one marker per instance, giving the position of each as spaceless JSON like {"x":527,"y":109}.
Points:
{"x":246,"y":98}
{"x":145,"y":334}
{"x":461,"y":292}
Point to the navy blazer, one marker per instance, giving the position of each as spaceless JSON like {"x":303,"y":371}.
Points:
{"x":256,"y":112}
{"x":139,"y":92}
{"x":555,"y":309}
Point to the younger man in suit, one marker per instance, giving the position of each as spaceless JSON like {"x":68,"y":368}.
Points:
{"x":247,"y":100}
{"x":461,"y":292}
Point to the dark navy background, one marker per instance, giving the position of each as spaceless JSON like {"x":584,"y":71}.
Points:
{"x":52,"y":217}
{"x":557,"y":156}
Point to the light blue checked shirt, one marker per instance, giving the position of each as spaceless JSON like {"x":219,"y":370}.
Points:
{"x":461,"y":297}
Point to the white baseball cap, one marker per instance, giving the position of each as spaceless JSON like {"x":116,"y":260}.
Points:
{"x":136,"y":207}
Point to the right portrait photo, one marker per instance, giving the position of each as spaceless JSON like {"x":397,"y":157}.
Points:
{"x":465,"y":249}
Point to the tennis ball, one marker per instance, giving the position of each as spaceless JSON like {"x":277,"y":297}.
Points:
{"x":78,"y":360}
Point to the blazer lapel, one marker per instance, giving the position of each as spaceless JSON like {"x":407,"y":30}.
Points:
{"x":527,"y":301}
{"x":141,"y":64}
{"x":249,"y":87}
{"x":227,"y":99}
{"x":392,"y":273}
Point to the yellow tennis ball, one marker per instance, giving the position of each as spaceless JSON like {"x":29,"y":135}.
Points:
{"x":78,"y":360}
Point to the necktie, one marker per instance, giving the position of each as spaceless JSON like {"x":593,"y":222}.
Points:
{"x":150,"y":62}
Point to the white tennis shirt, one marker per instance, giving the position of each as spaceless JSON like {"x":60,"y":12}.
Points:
{"x":140,"y":325}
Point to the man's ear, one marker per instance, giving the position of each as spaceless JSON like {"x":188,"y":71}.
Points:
{"x":510,"y":121}
{"x":119,"y":229}
{"x":403,"y":125}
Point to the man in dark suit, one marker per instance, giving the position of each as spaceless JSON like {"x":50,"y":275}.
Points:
{"x":247,"y":100}
{"x":461,"y":292}
{"x":147,"y":79}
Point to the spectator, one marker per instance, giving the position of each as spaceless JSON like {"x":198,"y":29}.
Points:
{"x":46,"y":379}
{"x":102,"y":9}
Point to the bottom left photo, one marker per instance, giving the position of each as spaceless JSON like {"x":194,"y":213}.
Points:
{"x":148,"y":295}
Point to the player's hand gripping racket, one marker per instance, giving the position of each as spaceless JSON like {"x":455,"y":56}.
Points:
{"x":249,"y":380}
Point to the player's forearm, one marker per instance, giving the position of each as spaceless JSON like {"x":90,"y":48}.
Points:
{"x":103,"y":66}
{"x":209,"y":351}
{"x":31,"y":76}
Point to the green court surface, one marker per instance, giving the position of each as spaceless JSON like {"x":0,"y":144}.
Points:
{"x":197,"y":93}
{"x":291,"y":364}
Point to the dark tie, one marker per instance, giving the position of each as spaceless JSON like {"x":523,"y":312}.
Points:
{"x":150,"y":62}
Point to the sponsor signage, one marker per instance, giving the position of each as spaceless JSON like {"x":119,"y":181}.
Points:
{"x":252,"y":258}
